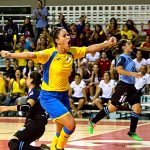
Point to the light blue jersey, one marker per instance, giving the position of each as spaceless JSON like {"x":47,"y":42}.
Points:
{"x":128,"y":64}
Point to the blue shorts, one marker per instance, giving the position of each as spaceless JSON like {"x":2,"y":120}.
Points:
{"x":55,"y":103}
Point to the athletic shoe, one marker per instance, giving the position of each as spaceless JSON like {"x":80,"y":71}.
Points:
{"x":58,"y":149}
{"x":44,"y":147}
{"x":91,"y":126}
{"x":134,"y":136}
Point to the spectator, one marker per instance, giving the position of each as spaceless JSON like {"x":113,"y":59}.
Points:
{"x":77,"y":93}
{"x":21,"y":62}
{"x":41,"y":44}
{"x":16,"y":87}
{"x":62,"y":22}
{"x":82,"y":68}
{"x":2,"y":88}
{"x":27,"y":29}
{"x":28,"y":69}
{"x":82,"y":40}
{"x":94,"y":80}
{"x":148,"y":66}
{"x":142,"y":84}
{"x":131,"y":35}
{"x":131,"y":26}
{"x":106,"y":86}
{"x":147,"y":30}
{"x":81,"y":24}
{"x":74,"y":34}
{"x":88,"y":32}
{"x":8,"y":70}
{"x":145,"y":47}
{"x":40,"y":14}
{"x":113,"y":28}
{"x":100,"y":31}
{"x":104,"y":63}
{"x":113,"y":70}
{"x":139,"y":61}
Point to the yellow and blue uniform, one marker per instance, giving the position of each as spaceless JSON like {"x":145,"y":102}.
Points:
{"x":55,"y":85}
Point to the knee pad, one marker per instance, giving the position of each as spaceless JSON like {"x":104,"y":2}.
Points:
{"x":13,"y":144}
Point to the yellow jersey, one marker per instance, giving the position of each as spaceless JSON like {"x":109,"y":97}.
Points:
{"x":22,"y":62}
{"x":2,"y":86}
{"x":16,"y":88}
{"x":58,"y":72}
{"x":128,"y":34}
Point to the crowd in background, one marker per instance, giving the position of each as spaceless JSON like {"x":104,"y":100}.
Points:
{"x":93,"y":76}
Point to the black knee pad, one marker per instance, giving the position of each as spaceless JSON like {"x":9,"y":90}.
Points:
{"x":13,"y":144}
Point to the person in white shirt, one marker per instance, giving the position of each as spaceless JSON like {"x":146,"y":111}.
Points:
{"x":77,"y":93}
{"x":106,"y":86}
{"x":92,"y":59}
{"x":148,"y":66}
{"x":142,"y":84}
{"x":139,"y":61}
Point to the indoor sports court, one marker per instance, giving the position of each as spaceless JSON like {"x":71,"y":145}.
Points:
{"x":108,"y":134}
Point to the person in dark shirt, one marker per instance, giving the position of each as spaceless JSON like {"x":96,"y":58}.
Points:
{"x":36,"y":117}
{"x":8,"y":70}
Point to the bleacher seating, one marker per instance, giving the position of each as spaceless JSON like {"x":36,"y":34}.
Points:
{"x":101,"y":13}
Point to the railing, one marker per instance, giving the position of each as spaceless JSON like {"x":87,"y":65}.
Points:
{"x":101,"y":13}
{"x":95,"y":14}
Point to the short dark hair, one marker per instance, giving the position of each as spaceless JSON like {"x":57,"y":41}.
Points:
{"x":36,"y":76}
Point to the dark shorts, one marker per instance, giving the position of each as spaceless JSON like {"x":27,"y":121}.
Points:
{"x":32,"y":130}
{"x":76,"y":99}
{"x":105,"y":100}
{"x":125,"y":93}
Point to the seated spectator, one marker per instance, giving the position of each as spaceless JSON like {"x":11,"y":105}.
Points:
{"x":77,"y":93}
{"x":139,"y":61}
{"x":8,"y":70}
{"x":94,"y":80}
{"x":10,"y":29}
{"x":88,"y":32}
{"x":100,"y":31}
{"x":21,"y":62}
{"x":82,"y":40}
{"x":2,"y":88}
{"x":104,"y":63}
{"x":92,"y":58}
{"x":16,"y":87}
{"x":113,"y":28}
{"x":142,"y":84}
{"x":81,"y":24}
{"x":48,"y":39}
{"x":131,"y":35}
{"x":62,"y":22}
{"x":106,"y":86}
{"x":27,"y":29}
{"x":26,"y":43}
{"x":148,"y":66}
{"x":147,"y":29}
{"x":41,"y":44}
{"x":82,"y":68}
{"x":113,"y":70}
{"x":145,"y":47}
{"x":131,"y":26}
{"x":96,"y":38}
{"x":74,"y":34}
{"x":28,"y":69}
